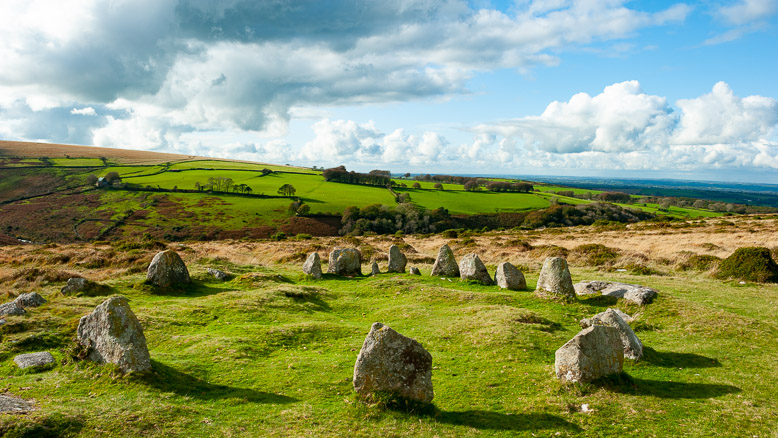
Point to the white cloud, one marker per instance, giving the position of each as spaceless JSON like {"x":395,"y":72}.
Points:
{"x":87,"y":111}
{"x":746,"y":11}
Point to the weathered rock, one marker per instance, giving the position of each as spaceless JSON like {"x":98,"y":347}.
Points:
{"x":312,"y":265}
{"x":415,"y":271}
{"x":634,"y":293}
{"x":593,"y":353}
{"x":114,"y":335}
{"x":397,"y":260}
{"x":167,"y":270}
{"x":11,"y":404}
{"x":472,"y":268}
{"x":347,"y":261}
{"x":218,"y":274}
{"x":445,"y":264}
{"x":31,"y":299}
{"x":555,"y":280}
{"x":11,"y":308}
{"x":77,"y":285}
{"x":633,"y":348}
{"x":34,"y":359}
{"x":392,"y":363}
{"x":2,"y":321}
{"x":508,"y":277}
{"x":374,"y":269}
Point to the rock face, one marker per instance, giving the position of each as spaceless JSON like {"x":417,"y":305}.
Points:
{"x":508,"y":277}
{"x":347,"y":261}
{"x":593,"y":353}
{"x":555,"y":280}
{"x":397,"y":260}
{"x":312,"y":265}
{"x":390,"y":362}
{"x":374,"y":269}
{"x":633,"y":348}
{"x":32,"y":299}
{"x":472,"y":268}
{"x":415,"y":271}
{"x":634,"y":293}
{"x":167,"y":270}
{"x":445,"y":264}
{"x":114,"y":335}
{"x":218,"y":274}
{"x":34,"y":359}
{"x":11,"y":309}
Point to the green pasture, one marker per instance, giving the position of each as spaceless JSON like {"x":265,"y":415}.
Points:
{"x":462,"y":202}
{"x":64,"y":162}
{"x":221,"y":164}
{"x":550,"y":188}
{"x":427,"y":185}
{"x":270,"y":353}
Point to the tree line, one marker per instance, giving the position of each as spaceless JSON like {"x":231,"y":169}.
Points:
{"x":373,"y":178}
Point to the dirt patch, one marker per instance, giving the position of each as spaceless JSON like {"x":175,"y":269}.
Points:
{"x":315,"y":226}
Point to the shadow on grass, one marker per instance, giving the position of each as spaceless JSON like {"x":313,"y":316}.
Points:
{"x":310,"y":296}
{"x":677,"y":360}
{"x":598,"y":300}
{"x":625,"y":384}
{"x":55,"y":425}
{"x":487,"y":420}
{"x":193,"y":289}
{"x":168,"y":379}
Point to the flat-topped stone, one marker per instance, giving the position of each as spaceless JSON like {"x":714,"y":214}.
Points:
{"x":28,"y":360}
{"x":633,"y":293}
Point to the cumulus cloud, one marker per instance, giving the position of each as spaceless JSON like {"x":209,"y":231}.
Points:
{"x":88,"y":111}
{"x":625,"y":128}
{"x":746,"y":11}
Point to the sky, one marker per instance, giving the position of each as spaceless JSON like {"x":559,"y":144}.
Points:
{"x":552,"y":87}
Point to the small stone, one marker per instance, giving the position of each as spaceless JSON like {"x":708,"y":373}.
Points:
{"x":113,"y":334}
{"x":415,"y":271}
{"x":218,"y":274}
{"x":347,"y":262}
{"x":555,"y":280}
{"x":11,"y":404}
{"x":397,"y":260}
{"x":633,"y":293}
{"x":633,"y":348}
{"x":593,"y":353}
{"x":392,"y":363}
{"x":168,"y":270}
{"x":472,"y":268}
{"x":34,"y":359}
{"x":32,"y":299}
{"x":445,"y":264}
{"x":508,"y":277}
{"x":374,"y":269}
{"x":11,"y":308}
{"x":77,"y":285}
{"x":312,"y":265}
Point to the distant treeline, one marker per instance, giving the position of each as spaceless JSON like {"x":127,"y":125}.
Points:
{"x":665,"y":202}
{"x":373,"y":178}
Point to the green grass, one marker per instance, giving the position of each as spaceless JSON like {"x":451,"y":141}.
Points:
{"x":550,"y":188}
{"x":462,"y":202}
{"x":96,"y":162}
{"x":274,"y":357}
{"x":220,"y":164}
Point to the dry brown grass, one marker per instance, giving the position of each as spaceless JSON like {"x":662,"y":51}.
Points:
{"x":51,"y":150}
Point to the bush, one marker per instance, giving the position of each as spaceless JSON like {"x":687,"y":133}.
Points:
{"x":699,"y":262}
{"x":749,"y":264}
{"x":278,"y":236}
{"x":594,"y":254}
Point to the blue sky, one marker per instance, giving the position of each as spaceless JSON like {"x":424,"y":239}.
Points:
{"x":553,"y":87}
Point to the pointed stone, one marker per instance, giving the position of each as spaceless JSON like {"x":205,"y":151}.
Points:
{"x":168,"y":270}
{"x":312,"y":265}
{"x":374,"y":269}
{"x":555,"y":280}
{"x":472,"y":268}
{"x":392,"y":363}
{"x":593,"y":353}
{"x":397,"y":260}
{"x":509,"y":277}
{"x":113,"y":334}
{"x":633,"y":348}
{"x":415,"y":271}
{"x":445,"y":264}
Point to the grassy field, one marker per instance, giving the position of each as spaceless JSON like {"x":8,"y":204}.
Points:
{"x":462,"y":202}
{"x":270,"y":353}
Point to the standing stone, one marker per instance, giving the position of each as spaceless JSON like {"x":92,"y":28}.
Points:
{"x":593,"y":353}
{"x":508,"y":277}
{"x":76,"y":285}
{"x":167,"y":270}
{"x":114,"y":335}
{"x":555,"y":280}
{"x":32,"y":299}
{"x":445,"y":264}
{"x":415,"y":271}
{"x":472,"y":268}
{"x":11,"y":308}
{"x":347,"y":261}
{"x":633,"y":348}
{"x":312,"y":265}
{"x":397,"y":260}
{"x":390,"y":362}
{"x":218,"y":274}
{"x":34,"y":359}
{"x":374,"y":269}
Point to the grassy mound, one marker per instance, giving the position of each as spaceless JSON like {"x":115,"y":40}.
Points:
{"x":749,"y":264}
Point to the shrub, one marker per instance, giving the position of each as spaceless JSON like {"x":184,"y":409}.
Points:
{"x":699,"y":262}
{"x":749,"y":264}
{"x":278,"y":236}
{"x":595,"y":254}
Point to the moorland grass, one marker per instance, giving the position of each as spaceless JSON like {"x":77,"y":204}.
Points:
{"x":271,"y":353}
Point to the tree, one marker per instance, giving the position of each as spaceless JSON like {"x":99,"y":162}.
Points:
{"x":471,"y":186}
{"x":439,"y":186}
{"x":303,"y":210}
{"x":286,"y":190}
{"x":113,"y":177}
{"x":402,"y":198}
{"x":407,"y":175}
{"x":416,"y":185}
{"x":91,"y":179}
